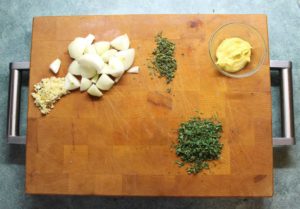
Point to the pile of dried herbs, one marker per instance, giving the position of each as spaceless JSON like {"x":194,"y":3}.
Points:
{"x":198,"y":143}
{"x":163,"y":61}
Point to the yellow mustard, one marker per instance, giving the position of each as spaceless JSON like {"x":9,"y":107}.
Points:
{"x":233,"y":54}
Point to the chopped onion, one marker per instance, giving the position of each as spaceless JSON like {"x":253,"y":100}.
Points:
{"x":74,"y":68}
{"x":108,"y":54}
{"x":116,"y":67}
{"x":134,"y":69}
{"x":101,"y":47}
{"x":94,"y":91}
{"x":89,"y":39}
{"x":126,"y":57}
{"x":91,"y":62}
{"x":71,"y":82}
{"x":104,"y":82}
{"x":90,"y":49}
{"x":85,"y":84}
{"x":120,"y":42}
{"x":77,"y":47}
{"x":55,"y":65}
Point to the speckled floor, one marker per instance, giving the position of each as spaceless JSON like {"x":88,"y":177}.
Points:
{"x":15,"y":32}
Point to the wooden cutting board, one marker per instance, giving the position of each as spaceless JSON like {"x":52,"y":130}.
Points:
{"x":120,"y":144}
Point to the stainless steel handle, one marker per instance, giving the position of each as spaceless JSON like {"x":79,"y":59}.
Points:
{"x":13,"y":113}
{"x":285,"y":67}
{"x":287,"y":108}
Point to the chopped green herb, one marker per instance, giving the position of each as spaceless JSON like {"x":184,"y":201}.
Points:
{"x":163,"y":60}
{"x":198,"y":143}
{"x":168,"y":90}
{"x":179,"y":163}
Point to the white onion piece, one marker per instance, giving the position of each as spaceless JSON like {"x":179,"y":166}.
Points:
{"x":108,"y":54}
{"x":95,"y":78}
{"x":74,"y":68}
{"x":118,"y":78}
{"x":120,"y":42}
{"x":105,"y":69}
{"x":55,"y":65}
{"x":90,"y":49}
{"x":94,"y":91}
{"x":89,"y":39}
{"x":126,"y":57}
{"x":77,"y":47}
{"x":85,"y":84}
{"x":134,"y":69}
{"x":91,"y":62}
{"x":104,"y":82}
{"x":101,"y":47}
{"x":71,"y":82}
{"x":116,"y":67}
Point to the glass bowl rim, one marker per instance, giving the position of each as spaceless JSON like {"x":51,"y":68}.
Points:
{"x":261,"y":61}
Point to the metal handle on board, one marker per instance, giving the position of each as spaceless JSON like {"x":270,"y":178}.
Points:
{"x":13,"y":113}
{"x":287,"y":108}
{"x":285,"y":68}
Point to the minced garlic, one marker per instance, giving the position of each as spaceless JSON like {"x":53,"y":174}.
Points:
{"x":47,"y":92}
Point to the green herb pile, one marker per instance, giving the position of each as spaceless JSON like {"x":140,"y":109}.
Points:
{"x":198,"y":143}
{"x":163,"y":60}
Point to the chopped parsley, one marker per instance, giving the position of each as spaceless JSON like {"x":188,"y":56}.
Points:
{"x":198,"y":143}
{"x":163,"y":61}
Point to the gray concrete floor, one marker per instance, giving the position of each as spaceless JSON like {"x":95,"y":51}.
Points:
{"x":15,"y":32}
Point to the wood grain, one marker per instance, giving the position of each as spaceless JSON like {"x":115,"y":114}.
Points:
{"x":120,"y":144}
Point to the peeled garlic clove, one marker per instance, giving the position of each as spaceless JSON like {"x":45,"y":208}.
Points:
{"x":71,"y":82}
{"x":104,"y":82}
{"x":85,"y":84}
{"x":94,"y":91}
{"x":92,"y":63}
{"x":101,"y":47}
{"x":55,"y":65}
{"x":95,"y":78}
{"x":90,"y":49}
{"x":120,"y":42}
{"x":74,"y":68}
{"x":134,"y":69}
{"x":77,"y":47}
{"x":126,"y":57}
{"x":89,"y":39}
{"x":108,"y":54}
{"x":116,"y":67}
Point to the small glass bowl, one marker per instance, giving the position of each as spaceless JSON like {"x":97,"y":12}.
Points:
{"x":247,"y":33}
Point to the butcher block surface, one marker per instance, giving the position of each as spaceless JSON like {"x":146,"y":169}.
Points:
{"x":121,"y":144}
